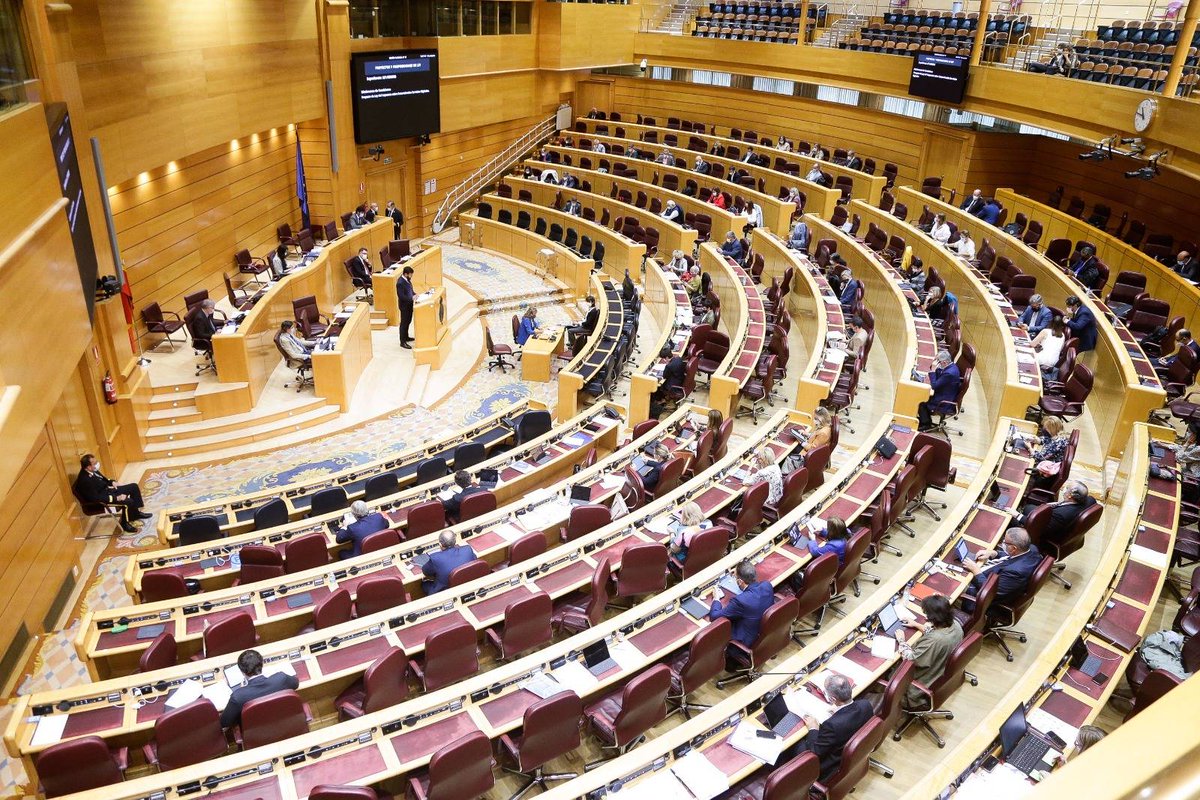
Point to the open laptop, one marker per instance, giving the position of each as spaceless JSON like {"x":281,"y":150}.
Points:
{"x":961,"y":552}
{"x":1022,"y":747}
{"x":580,"y":495}
{"x":889,"y":620}
{"x":539,"y":456}
{"x":779,"y":718}
{"x":1083,"y":660}
{"x":488,"y":478}
{"x":596,"y":658}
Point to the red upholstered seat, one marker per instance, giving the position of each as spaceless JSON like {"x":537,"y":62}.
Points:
{"x":187,"y":735}
{"x":230,"y":635}
{"x":273,"y":718}
{"x":378,"y":594}
{"x":526,"y":626}
{"x":462,"y":770}
{"x":549,"y":730}
{"x":622,"y":717}
{"x":450,"y":655}
{"x":581,"y":610}
{"x":384,"y":684}
{"x":78,"y":765}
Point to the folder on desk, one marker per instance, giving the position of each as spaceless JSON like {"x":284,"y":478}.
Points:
{"x":746,"y":739}
{"x":701,"y":777}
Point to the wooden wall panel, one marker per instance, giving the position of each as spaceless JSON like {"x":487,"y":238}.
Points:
{"x":161,"y":81}
{"x":567,"y":34}
{"x":179,"y":225}
{"x":996,"y":159}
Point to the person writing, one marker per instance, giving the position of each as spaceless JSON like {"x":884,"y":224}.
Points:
{"x":745,"y":609}
{"x":828,"y":739}
{"x":366,"y":522}
{"x":929,"y":654}
{"x":691,"y":522}
{"x":297,"y":349}
{"x":254,"y":685}
{"x":945,"y":380}
{"x":441,"y":563}
{"x":92,"y":486}
{"x":406,"y":297}
{"x":837,"y":537}
{"x":654,"y":457}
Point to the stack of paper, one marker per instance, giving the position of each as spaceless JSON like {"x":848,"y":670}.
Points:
{"x":575,"y":676}
{"x":576,"y":439}
{"x":660,"y":525}
{"x":1147,"y":556}
{"x":509,"y":532}
{"x":699,"y":775}
{"x":219,"y":694}
{"x":523,"y":467}
{"x":1003,"y":781}
{"x":189,"y":691}
{"x":805,"y":703}
{"x":626,"y":655}
{"x":857,"y":674}
{"x":883,"y":646}
{"x":276,"y":667}
{"x":543,"y":685}
{"x":746,"y":739}
{"x":610,"y":482}
{"x":49,"y":730}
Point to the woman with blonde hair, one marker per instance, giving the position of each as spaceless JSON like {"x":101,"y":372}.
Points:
{"x":821,"y":432}
{"x":691,"y":522}
{"x":765,"y":469}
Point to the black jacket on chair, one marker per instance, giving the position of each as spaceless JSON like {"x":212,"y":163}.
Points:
{"x":828,"y":741}
{"x":256,"y":687}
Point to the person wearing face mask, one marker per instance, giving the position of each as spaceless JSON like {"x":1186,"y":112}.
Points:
{"x":945,"y":381}
{"x":1187,"y":265}
{"x":92,"y":486}
{"x":1014,"y":563}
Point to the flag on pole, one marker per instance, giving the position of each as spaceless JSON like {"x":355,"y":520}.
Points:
{"x":301,"y":186}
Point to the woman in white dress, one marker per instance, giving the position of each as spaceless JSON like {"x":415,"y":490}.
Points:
{"x":765,"y":469}
{"x":1049,"y":344}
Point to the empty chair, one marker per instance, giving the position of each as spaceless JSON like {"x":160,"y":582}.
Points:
{"x":549,"y":730}
{"x":328,"y":791}
{"x":475,"y":505}
{"x":385,"y":683}
{"x":259,"y":562}
{"x":621,"y":719}
{"x":1004,"y":615}
{"x":156,"y":323}
{"x":161,"y":654}
{"x":459,"y":771}
{"x":328,"y":500}
{"x":531,"y":425}
{"x":468,"y":454}
{"x":187,"y":735}
{"x":233,"y":634}
{"x":450,"y":655}
{"x":378,"y":486}
{"x":271,"y":514}
{"x":306,"y":552}
{"x":273,"y":718}
{"x":465,"y":573}
{"x":78,"y":765}
{"x":705,"y":548}
{"x":162,"y":584}
{"x":199,"y":529}
{"x":426,"y":518}
{"x":431,"y":469}
{"x":526,"y":626}
{"x":643,"y":570}
{"x":333,"y":609}
{"x":582,"y":610}
{"x":379,"y":593}
{"x":583,"y":520}
{"x":703,"y":661}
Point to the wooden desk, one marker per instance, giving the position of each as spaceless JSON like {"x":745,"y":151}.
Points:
{"x":537,"y":353}
{"x":248,"y":355}
{"x":427,"y":273}
{"x":432,"y":344}
{"x":744,"y":321}
{"x":594,"y":356}
{"x":666,"y":299}
{"x":336,"y":372}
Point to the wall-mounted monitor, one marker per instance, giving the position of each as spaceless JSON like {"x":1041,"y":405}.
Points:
{"x":938,"y":77}
{"x":69,"y":180}
{"x":395,"y":94}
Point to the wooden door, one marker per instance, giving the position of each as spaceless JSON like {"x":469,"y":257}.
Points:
{"x":943,"y":155}
{"x":387,"y":183}
{"x":591,"y":94}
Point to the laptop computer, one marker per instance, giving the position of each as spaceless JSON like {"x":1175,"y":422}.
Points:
{"x":1022,"y":747}
{"x":779,"y":718}
{"x":889,"y":620}
{"x":1083,"y":660}
{"x":539,"y":456}
{"x":961,"y":552}
{"x":488,"y":478}
{"x":597,"y":659}
{"x":581,"y":495}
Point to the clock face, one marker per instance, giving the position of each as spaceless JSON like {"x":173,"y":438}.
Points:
{"x":1144,"y":114}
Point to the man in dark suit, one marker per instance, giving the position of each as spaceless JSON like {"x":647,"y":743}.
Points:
{"x":360,"y":266}
{"x":973,"y":203}
{"x":573,"y":207}
{"x":93,"y":487}
{"x":370,"y":212}
{"x":466,"y":488}
{"x":1075,"y":500}
{"x":745,"y":610}
{"x":1187,"y":265}
{"x":945,"y":381}
{"x":702,"y":166}
{"x":853,"y":161}
{"x":254,"y":685}
{"x":1016,"y":561}
{"x":1036,"y":317}
{"x":990,"y":213}
{"x":202,"y":327}
{"x":406,"y":295}
{"x":1183,"y":339}
{"x":365,"y":523}
{"x":577,"y":333}
{"x":673,"y":213}
{"x":829,"y":738}
{"x":397,"y":219}
{"x":849,"y":289}
{"x":1082,"y":324}
{"x":440,"y":564}
{"x":1085,"y":267}
{"x":750,"y":156}
{"x":569,"y":181}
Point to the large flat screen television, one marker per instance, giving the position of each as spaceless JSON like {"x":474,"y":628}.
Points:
{"x":69,"y":180}
{"x":937,"y":77}
{"x":395,"y":94}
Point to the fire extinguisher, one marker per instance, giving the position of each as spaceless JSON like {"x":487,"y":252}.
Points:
{"x":110,"y":389}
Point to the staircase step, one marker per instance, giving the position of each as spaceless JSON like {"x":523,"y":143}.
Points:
{"x":174,"y":388}
{"x":170,"y":416}
{"x":246,"y":435}
{"x":196,"y":428}
{"x":185,"y":398}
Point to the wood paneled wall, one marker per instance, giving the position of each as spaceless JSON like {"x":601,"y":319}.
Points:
{"x":162,"y":81}
{"x":995,"y":158}
{"x":871,"y":134}
{"x":179,"y":225}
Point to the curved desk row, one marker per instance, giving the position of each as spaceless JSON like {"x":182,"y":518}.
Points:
{"x":324,"y":655}
{"x":522,"y":245}
{"x":1126,"y":388}
{"x":1143,"y":513}
{"x":744,"y":319}
{"x":896,"y":330}
{"x":820,"y":199}
{"x":1006,"y":368}
{"x":1161,"y":282}
{"x":588,"y":365}
{"x":776,"y":212}
{"x":675,"y":319}
{"x":842,"y":648}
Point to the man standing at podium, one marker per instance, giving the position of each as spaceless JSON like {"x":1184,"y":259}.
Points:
{"x":406,"y":293}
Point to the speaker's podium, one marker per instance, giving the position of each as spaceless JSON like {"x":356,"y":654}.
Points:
{"x":432,"y":334}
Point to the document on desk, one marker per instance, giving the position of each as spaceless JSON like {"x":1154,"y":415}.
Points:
{"x":543,"y":685}
{"x":447,"y":493}
{"x":348,"y":519}
{"x":233,"y":675}
{"x":803,"y":702}
{"x":626,"y":655}
{"x":701,"y":777}
{"x":1145,"y":555}
{"x":610,"y":482}
{"x":282,"y":665}
{"x":662,"y":786}
{"x":1046,"y":722}
{"x":860,"y":676}
{"x":49,"y":730}
{"x":219,"y":694}
{"x":746,"y":739}
{"x":577,"y":439}
{"x":575,"y":676}
{"x":1003,"y":781}
{"x":523,"y":467}
{"x":659,"y":525}
{"x":188,"y":691}
{"x":509,"y":532}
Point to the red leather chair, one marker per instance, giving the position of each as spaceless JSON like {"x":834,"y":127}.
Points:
{"x":815,"y":462}
{"x":670,"y":477}
{"x":305,"y":311}
{"x":794,"y":485}
{"x":643,"y":570}
{"x":642,"y":428}
{"x":385,"y":683}
{"x":469,"y":571}
{"x":155,"y":322}
{"x":583,"y":520}
{"x":1060,"y":546}
{"x":273,"y":718}
{"x":78,"y":765}
{"x":976,"y":619}
{"x":462,"y":770}
{"x":887,"y":705}
{"x":621,"y":719}
{"x":426,"y":518}
{"x":451,"y":654}
{"x":528,"y":546}
{"x":188,"y":735}
{"x":1075,"y":393}
{"x":327,"y":791}
{"x":938,"y":692}
{"x":526,"y":626}
{"x":162,"y":584}
{"x":230,"y":635}
{"x":813,"y":589}
{"x":378,"y":594}
{"x":634,"y":491}
{"x":721,"y":446}
{"x":260,"y":562}
{"x":1003,"y":617}
{"x":1156,"y":684}
{"x":937,"y":470}
{"x":851,"y":568}
{"x":161,"y":654}
{"x":705,"y":549}
{"x":703,"y":458}
{"x":855,"y":761}
{"x":579,"y":611}
{"x":380,"y":540}
{"x":333,"y":609}
{"x":791,"y":781}
{"x":774,"y":632}
{"x":549,"y":730}
{"x":750,"y":516}
{"x":307,"y":552}
{"x":475,"y":505}
{"x":700,"y":663}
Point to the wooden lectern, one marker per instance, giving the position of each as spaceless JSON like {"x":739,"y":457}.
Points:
{"x":432,"y":332}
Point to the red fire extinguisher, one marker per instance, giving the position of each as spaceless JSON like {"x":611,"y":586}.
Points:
{"x":110,"y":389}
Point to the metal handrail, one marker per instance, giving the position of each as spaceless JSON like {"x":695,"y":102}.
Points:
{"x":498,"y":165}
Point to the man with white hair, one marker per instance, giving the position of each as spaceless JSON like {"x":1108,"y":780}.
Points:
{"x":974,"y":202}
{"x":829,"y":738}
{"x":440,"y":564}
{"x":944,"y":381}
{"x":365,"y":523}
{"x":672,"y":213}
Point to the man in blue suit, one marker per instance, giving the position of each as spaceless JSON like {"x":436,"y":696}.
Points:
{"x":746,"y":609}
{"x":945,"y":380}
{"x":990,"y":213}
{"x":406,"y":295}
{"x":1036,"y":317}
{"x":442,"y":563}
{"x":254,"y":685}
{"x":1082,"y":324}
{"x":1017,"y":559}
{"x":850,"y":286}
{"x":365,"y":523}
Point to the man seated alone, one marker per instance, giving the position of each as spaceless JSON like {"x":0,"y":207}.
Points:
{"x":92,"y":486}
{"x":944,"y":381}
{"x":576,"y":334}
{"x":1073,"y":501}
{"x":745,"y":609}
{"x":360,"y":266}
{"x":365,"y":523}
{"x":466,"y":487}
{"x":440,"y":564}
{"x":254,"y":685}
{"x":1015,"y":562}
{"x":829,"y":738}
{"x":297,"y":349}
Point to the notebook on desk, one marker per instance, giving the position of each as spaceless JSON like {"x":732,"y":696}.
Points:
{"x":488,"y":478}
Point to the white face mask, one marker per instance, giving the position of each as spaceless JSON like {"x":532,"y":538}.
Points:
{"x":96,"y":467}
